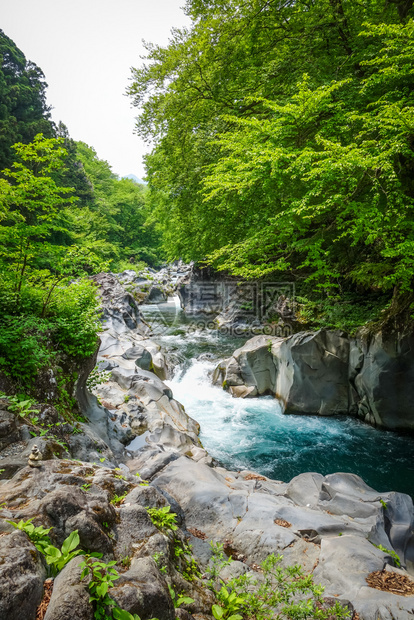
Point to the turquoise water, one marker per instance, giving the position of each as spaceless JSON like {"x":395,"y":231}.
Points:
{"x":255,"y":434}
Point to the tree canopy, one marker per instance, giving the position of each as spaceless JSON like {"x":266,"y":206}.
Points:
{"x":64,"y":215}
{"x":23,"y":109}
{"x":284,"y":140}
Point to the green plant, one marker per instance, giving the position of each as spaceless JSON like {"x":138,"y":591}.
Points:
{"x":383,"y":504}
{"x":185,"y":560}
{"x":122,"y":614}
{"x":22,"y":407}
{"x":218,"y":561}
{"x":56,"y":558}
{"x":223,"y":614}
{"x":126,"y":398}
{"x":391,"y":553}
{"x":179,"y":600}
{"x":38,"y":535}
{"x":60,"y":443}
{"x":96,"y":377}
{"x":162,"y":518}
{"x":178,"y":549}
{"x":102,"y":577}
{"x":143,"y":483}
{"x":158,"y":560}
{"x":231,"y":602}
{"x":285,"y":589}
{"x":126,"y":561}
{"x":118,"y":499}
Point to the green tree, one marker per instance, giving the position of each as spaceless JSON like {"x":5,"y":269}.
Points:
{"x":116,"y":217}
{"x":31,"y":204}
{"x":284,"y":140}
{"x":23,"y":109}
{"x":43,"y":313}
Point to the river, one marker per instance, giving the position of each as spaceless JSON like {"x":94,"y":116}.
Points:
{"x":255,"y":434}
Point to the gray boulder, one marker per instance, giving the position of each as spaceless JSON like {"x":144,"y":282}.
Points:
{"x":343,"y":566}
{"x":120,"y":310}
{"x":385,"y":380}
{"x":9,"y":431}
{"x":156,"y":296}
{"x":22,"y":574}
{"x":140,"y":355}
{"x":327,"y":373}
{"x":70,"y":596}
{"x":142,"y":590}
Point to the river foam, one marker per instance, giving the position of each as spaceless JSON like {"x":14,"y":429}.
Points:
{"x":255,"y":434}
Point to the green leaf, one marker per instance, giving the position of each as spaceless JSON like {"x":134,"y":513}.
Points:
{"x":71,"y":542}
{"x":102,"y":589}
{"x":122,"y":614}
{"x":184,"y":600}
{"x":217,"y":612}
{"x":52,"y":552}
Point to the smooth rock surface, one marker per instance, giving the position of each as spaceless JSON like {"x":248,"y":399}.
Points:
{"x":327,"y":373}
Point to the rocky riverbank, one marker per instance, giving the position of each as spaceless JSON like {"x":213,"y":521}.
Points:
{"x":339,"y":530}
{"x":328,"y":373}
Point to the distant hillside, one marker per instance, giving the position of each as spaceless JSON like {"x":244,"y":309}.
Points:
{"x":135,"y":178}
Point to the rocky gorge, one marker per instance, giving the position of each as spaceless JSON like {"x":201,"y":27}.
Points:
{"x":138,"y":449}
{"x":328,"y":373}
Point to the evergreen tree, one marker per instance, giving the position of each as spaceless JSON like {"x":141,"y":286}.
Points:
{"x":23,"y":109}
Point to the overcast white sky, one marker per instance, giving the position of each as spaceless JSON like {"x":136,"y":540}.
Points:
{"x":85,"y":48}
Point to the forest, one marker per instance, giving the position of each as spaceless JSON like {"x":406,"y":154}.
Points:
{"x":64,"y":215}
{"x":284,"y":148}
{"x":283,"y":136}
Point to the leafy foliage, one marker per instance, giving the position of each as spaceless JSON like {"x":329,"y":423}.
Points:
{"x":37,"y":534}
{"x":102,"y":577}
{"x":284,"y":142}
{"x":22,"y":408}
{"x":284,"y":592}
{"x":391,"y":553}
{"x":163,"y":518}
{"x":23,"y":108}
{"x":64,"y":215}
{"x":55,"y":558}
{"x":58,"y":558}
{"x":230,"y":603}
{"x":43,"y":311}
{"x":179,"y":600}
{"x":113,"y":222}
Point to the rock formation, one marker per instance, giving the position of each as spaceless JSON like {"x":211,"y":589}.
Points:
{"x":327,"y":373}
{"x":335,"y":526}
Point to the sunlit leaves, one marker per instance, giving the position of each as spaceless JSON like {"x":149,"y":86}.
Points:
{"x":284,"y":140}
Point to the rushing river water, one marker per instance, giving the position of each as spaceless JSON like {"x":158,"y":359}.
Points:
{"x":255,"y":434}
